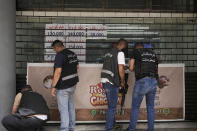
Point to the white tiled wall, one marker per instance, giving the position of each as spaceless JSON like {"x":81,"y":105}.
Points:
{"x":103,"y":14}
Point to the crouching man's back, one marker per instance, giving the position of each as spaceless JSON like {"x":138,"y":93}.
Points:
{"x":29,"y":111}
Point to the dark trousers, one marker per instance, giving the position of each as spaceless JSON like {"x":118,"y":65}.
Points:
{"x":18,"y":123}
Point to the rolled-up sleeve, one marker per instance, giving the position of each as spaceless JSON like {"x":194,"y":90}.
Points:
{"x":121,"y":58}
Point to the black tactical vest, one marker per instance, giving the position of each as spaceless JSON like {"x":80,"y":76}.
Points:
{"x":32,"y":103}
{"x":69,"y":75}
{"x":110,"y":67}
{"x":146,"y":63}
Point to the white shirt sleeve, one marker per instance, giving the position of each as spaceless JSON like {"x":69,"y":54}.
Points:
{"x":121,"y":58}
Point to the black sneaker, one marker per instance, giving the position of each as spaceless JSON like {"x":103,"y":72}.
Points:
{"x":116,"y":127}
{"x":127,"y":129}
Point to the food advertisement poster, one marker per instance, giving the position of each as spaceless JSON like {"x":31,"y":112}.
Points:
{"x":90,"y":99}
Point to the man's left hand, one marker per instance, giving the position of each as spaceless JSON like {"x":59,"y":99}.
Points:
{"x":122,"y":84}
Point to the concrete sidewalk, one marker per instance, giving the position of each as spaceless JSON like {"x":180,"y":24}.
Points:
{"x":162,"y":126}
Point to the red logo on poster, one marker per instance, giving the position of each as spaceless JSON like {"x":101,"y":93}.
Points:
{"x":98,"y":97}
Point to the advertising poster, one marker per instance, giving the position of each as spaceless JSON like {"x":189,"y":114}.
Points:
{"x":90,"y":99}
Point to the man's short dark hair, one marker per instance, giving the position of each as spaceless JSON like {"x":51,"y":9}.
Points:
{"x":57,"y":43}
{"x":26,"y":88}
{"x":138,"y":44}
{"x":121,"y":41}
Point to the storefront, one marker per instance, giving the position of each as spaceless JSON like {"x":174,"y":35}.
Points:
{"x":92,"y":31}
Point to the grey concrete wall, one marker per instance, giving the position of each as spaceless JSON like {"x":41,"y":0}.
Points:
{"x":7,"y":56}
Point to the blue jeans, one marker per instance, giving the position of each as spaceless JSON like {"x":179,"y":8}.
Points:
{"x":112,"y":98}
{"x":65,"y":100}
{"x":144,"y":87}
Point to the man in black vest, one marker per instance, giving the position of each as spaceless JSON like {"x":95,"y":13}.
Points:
{"x":145,"y":64}
{"x":29,"y":111}
{"x":113,"y":77}
{"x":64,"y":84}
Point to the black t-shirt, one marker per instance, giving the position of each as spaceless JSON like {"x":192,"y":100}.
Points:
{"x":59,"y":63}
{"x":59,"y":60}
{"x":136,"y":54}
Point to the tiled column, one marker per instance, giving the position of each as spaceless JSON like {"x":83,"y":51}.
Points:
{"x":7,"y":56}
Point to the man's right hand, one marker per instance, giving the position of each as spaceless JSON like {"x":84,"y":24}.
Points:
{"x":53,"y":91}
